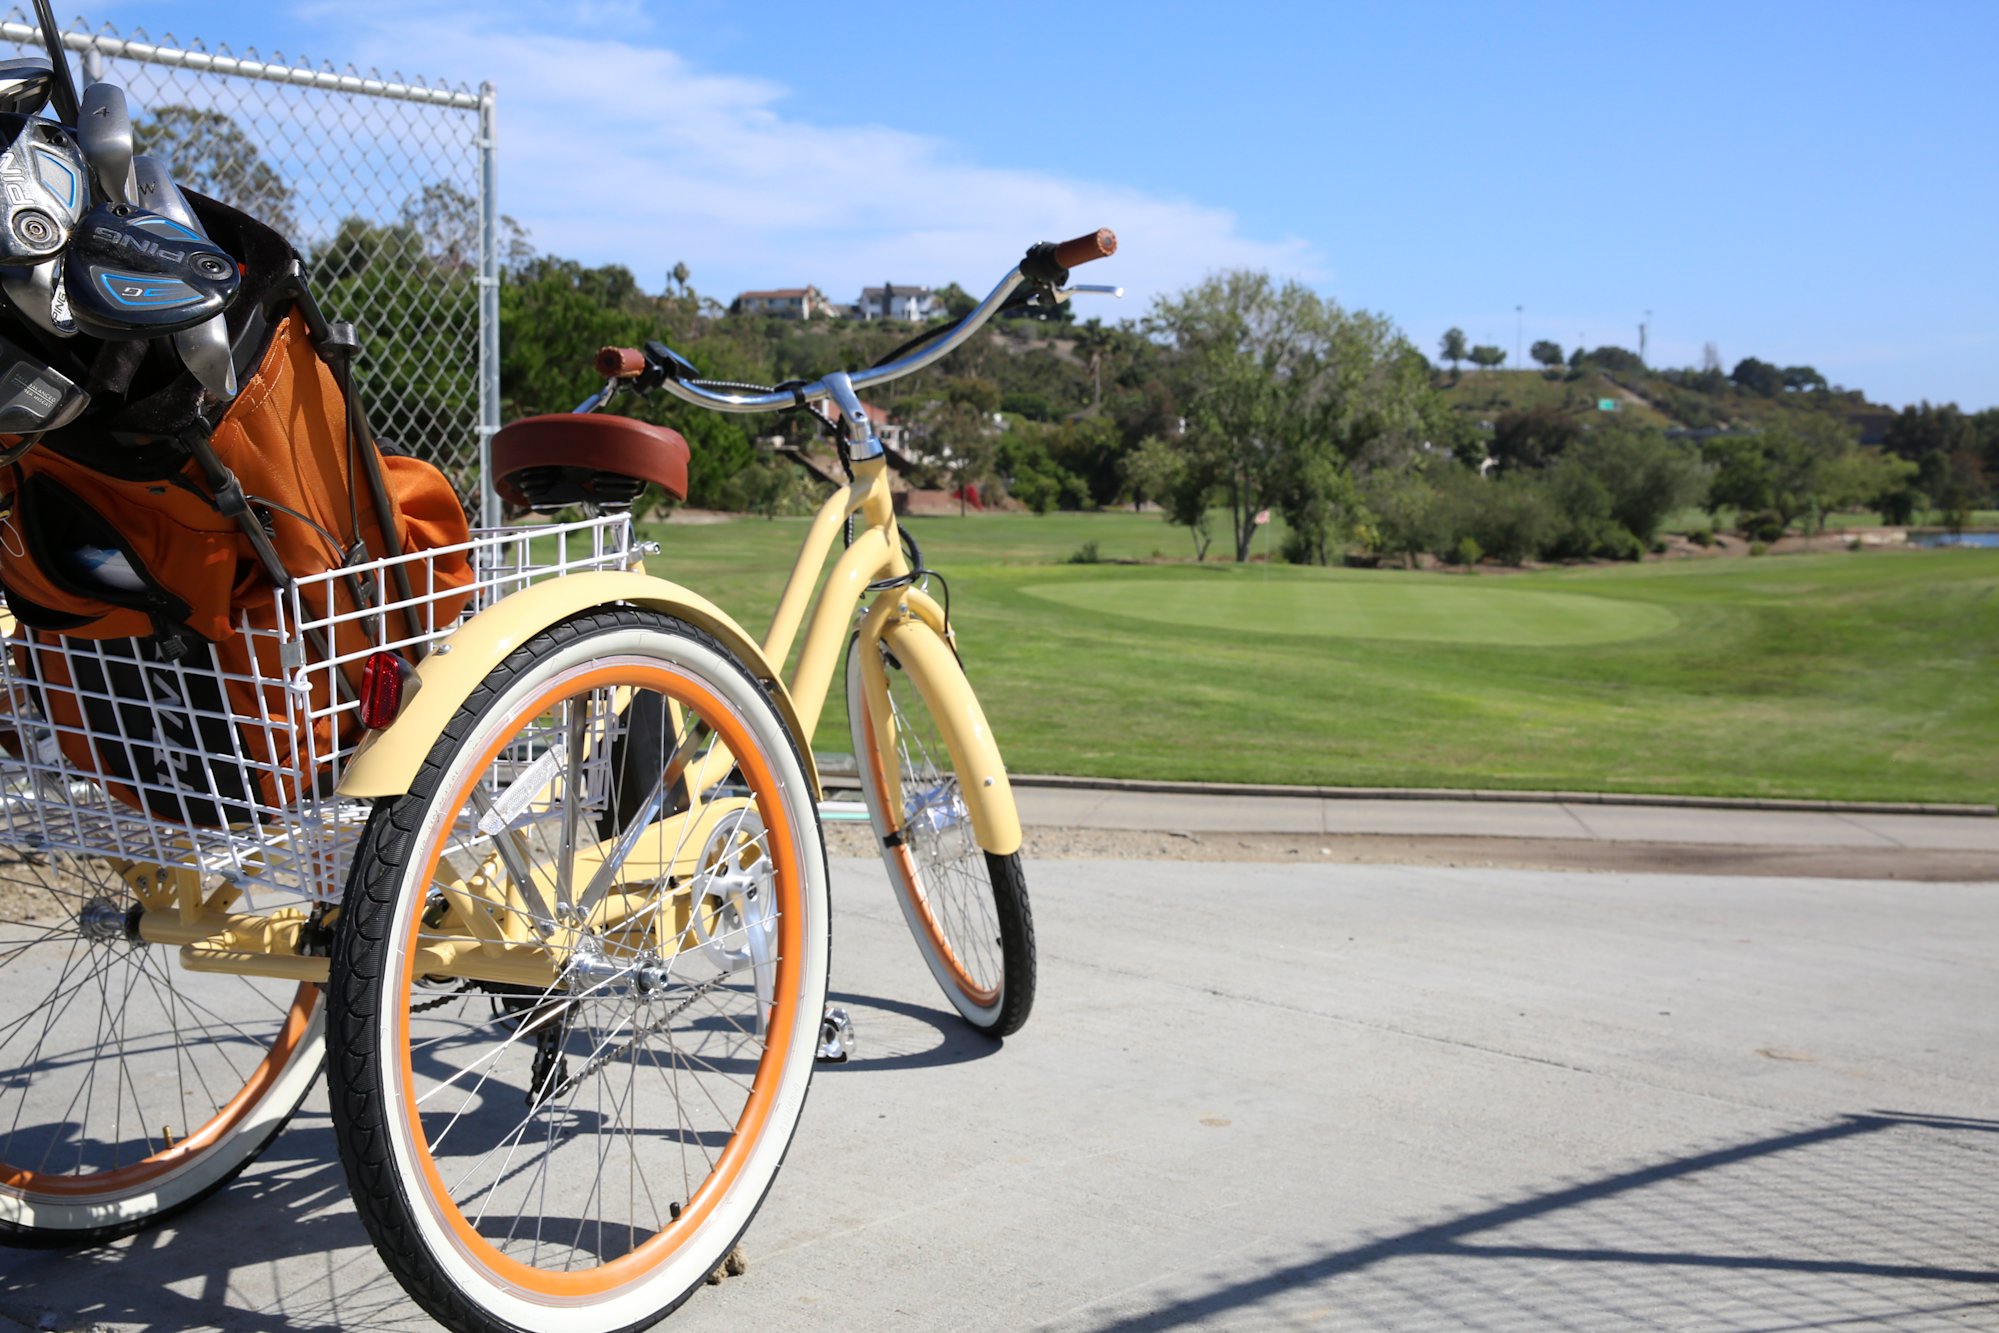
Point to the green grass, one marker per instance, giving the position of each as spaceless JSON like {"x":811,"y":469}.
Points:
{"x":1863,"y":676}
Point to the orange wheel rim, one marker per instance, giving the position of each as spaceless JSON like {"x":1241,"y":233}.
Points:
{"x":49,"y":1184}
{"x":755,"y":1115}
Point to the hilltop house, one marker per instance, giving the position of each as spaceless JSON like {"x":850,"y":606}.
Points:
{"x":787,"y":303}
{"x":893,"y":302}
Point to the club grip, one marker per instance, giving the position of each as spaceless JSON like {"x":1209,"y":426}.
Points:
{"x":1097,"y":245}
{"x":621,"y":363}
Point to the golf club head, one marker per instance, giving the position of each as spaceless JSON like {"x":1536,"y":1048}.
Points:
{"x":44,"y":180}
{"x":204,"y":349}
{"x":34,"y":398}
{"x":25,"y":83}
{"x":157,"y":193}
{"x":104,"y":128}
{"x":40,"y":296}
{"x":135,"y":274}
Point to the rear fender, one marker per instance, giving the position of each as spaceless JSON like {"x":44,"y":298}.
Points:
{"x":387,"y":761}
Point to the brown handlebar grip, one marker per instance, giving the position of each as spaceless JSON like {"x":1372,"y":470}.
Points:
{"x":1097,"y":245}
{"x":621,"y":363}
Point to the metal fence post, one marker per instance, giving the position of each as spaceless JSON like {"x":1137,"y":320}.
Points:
{"x":489,"y":299}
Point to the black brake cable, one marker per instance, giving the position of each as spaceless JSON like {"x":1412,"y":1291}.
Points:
{"x":936,"y":331}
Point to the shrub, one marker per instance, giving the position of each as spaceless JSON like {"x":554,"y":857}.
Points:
{"x":1701,"y":536}
{"x":1759,"y":548}
{"x":1513,"y":520}
{"x":1619,"y":544}
{"x":1467,"y":552}
{"x":1033,"y":406}
{"x":1763,"y":525}
{"x":1086,"y":554}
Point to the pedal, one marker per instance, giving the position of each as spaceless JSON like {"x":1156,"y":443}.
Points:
{"x":836,"y":1036}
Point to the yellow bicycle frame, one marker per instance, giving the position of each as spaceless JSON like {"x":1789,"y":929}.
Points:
{"x":905,"y":618}
{"x":911,"y":623}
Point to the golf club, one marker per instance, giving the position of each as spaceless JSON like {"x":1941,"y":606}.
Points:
{"x":104,"y":128}
{"x":204,"y":349}
{"x":135,"y":274}
{"x":63,"y":93}
{"x":44,"y":180}
{"x":40,"y":296}
{"x":34,"y":398}
{"x":25,"y":84}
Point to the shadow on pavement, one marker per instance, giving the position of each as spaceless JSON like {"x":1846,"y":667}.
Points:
{"x":913,"y":1037}
{"x":278,"y":1249}
{"x":281,"y":1249}
{"x":1882,"y":1217}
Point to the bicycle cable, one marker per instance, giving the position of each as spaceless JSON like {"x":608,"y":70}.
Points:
{"x":936,"y":331}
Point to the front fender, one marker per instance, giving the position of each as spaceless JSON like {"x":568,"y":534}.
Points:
{"x":387,"y":761}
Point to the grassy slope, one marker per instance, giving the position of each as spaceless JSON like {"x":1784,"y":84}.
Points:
{"x":1860,"y":676}
{"x":1487,"y":393}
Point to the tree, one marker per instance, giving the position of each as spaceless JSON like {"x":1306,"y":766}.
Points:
{"x":1549,"y":354}
{"x":1183,"y":485}
{"x":445,"y":222}
{"x":1487,"y":357}
{"x":1453,"y":349}
{"x":1793,"y":469}
{"x":1646,"y":476}
{"x":961,"y":432}
{"x":1532,"y":437}
{"x":1803,"y":379}
{"x":208,"y":152}
{"x":1865,"y":478}
{"x":1093,"y":340}
{"x":957,"y":302}
{"x":1616,"y":360}
{"x":1281,"y":386}
{"x":1758,"y":377}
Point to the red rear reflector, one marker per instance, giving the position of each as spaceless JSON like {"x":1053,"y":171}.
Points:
{"x":383,"y":677}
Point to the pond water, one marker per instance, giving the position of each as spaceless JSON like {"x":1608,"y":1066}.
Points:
{"x":1954,"y":539}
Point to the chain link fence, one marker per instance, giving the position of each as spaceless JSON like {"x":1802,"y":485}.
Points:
{"x":386,"y":187}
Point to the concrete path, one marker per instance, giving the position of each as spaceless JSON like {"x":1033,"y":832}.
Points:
{"x":1302,"y":1096}
{"x":1165,"y":811}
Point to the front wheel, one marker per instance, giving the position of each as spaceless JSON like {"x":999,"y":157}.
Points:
{"x":574,"y":1006}
{"x":966,"y":907}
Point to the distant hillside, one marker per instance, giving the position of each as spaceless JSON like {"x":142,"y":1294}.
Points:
{"x":1699,"y":401}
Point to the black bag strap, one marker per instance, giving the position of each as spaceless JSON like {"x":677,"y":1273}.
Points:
{"x":338,"y":344}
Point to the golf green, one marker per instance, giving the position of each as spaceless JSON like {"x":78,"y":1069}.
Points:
{"x":1394,"y":608}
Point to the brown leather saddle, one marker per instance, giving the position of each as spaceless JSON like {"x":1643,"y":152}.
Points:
{"x":551,"y":462}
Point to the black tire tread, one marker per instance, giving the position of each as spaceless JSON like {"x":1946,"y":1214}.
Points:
{"x":1016,"y":920}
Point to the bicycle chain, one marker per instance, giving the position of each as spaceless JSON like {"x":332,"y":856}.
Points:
{"x":602,"y":1058}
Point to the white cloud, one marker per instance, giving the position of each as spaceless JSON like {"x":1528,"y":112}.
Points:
{"x":613,"y":152}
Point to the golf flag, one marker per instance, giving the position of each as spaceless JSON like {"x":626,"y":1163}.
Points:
{"x":1262,"y":517}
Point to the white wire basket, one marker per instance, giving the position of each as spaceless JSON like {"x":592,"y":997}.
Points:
{"x":226,"y":760}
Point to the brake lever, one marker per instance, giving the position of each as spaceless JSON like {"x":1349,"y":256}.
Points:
{"x":1091,"y":289}
{"x":668,"y":363}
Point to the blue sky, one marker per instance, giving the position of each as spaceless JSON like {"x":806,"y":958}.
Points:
{"x":1804,"y":183}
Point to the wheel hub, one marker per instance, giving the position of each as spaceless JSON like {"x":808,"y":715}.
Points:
{"x":102,"y":921}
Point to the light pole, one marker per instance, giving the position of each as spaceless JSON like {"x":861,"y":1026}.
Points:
{"x":1519,"y":339}
{"x":1641,"y":336}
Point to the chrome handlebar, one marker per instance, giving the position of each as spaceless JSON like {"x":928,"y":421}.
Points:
{"x":1044,"y":266}
{"x":822,"y":389}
